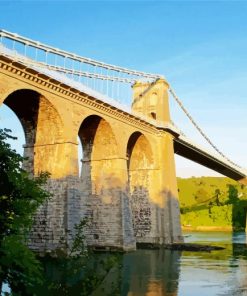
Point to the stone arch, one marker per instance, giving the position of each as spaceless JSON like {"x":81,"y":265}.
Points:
{"x":140,"y":164}
{"x":101,"y":182}
{"x":99,"y":150}
{"x":41,"y":123}
{"x":32,"y":108}
{"x":97,"y":138}
{"x":139,"y":152}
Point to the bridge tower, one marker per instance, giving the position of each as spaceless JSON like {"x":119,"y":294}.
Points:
{"x":151,"y":100}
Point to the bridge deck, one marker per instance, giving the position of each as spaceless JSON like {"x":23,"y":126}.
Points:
{"x":185,"y":148}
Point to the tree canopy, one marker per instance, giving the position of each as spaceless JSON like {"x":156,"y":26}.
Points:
{"x":20,"y":197}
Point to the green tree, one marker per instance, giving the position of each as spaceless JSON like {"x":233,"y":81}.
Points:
{"x":232,"y":194}
{"x":20,"y":197}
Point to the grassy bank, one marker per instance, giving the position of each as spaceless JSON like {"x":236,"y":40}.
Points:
{"x":212,"y":204}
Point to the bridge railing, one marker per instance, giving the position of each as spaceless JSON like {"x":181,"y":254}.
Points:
{"x":108,"y":79}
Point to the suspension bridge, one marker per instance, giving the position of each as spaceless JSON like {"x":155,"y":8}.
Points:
{"x":122,"y":119}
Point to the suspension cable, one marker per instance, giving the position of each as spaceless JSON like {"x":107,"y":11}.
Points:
{"x":179,"y":102}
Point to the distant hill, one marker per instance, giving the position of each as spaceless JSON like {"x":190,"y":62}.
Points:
{"x":212,"y":203}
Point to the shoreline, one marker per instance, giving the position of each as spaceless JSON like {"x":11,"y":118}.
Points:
{"x":208,"y":228}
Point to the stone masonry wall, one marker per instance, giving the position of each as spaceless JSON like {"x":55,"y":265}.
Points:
{"x":50,"y":221}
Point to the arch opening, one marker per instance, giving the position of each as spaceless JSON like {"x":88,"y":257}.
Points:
{"x":9,"y":120}
{"x":140,"y":163}
{"x":97,"y":141}
{"x":139,"y":152}
{"x":40,"y":122}
{"x":98,"y":179}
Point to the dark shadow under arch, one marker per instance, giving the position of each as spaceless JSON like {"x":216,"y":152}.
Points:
{"x":40,"y":120}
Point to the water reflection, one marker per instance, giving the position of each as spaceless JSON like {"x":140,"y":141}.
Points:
{"x":216,"y":273}
{"x":165,"y":272}
{"x":239,"y":238}
{"x":238,"y":264}
{"x":151,"y":272}
{"x":168,"y":273}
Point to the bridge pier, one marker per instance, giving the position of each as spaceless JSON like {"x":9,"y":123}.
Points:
{"x":170,"y":217}
{"x":151,"y":100}
{"x":154,"y":193}
{"x":107,"y":204}
{"x":54,"y":217}
{"x":100,"y":195}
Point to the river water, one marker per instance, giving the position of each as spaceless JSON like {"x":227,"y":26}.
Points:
{"x":165,"y":272}
{"x":168,"y":273}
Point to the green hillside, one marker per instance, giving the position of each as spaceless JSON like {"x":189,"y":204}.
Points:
{"x":212,"y":203}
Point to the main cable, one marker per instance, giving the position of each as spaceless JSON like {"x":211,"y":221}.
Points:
{"x":179,"y":102}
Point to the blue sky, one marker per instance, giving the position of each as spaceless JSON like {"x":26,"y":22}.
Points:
{"x":200,"y":47}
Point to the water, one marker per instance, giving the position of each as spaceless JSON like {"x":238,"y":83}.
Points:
{"x":165,"y":272}
{"x":5,"y":289}
{"x":168,"y":273}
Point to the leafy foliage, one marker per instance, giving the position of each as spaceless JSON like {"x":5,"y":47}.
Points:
{"x":20,"y":197}
{"x":78,"y":248}
{"x":74,"y":271}
{"x":232,"y":194}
